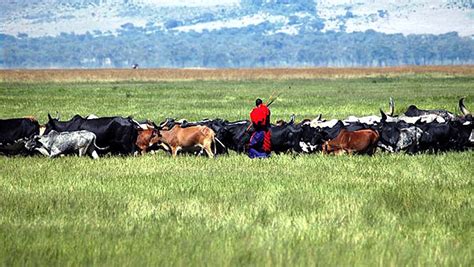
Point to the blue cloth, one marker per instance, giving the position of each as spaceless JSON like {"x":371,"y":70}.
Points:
{"x":256,"y":141}
{"x":255,"y":146}
{"x":255,"y":154}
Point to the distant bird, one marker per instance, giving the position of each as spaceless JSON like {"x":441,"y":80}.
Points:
{"x":135,"y":66}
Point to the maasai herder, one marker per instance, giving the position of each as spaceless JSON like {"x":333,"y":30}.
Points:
{"x":260,"y":142}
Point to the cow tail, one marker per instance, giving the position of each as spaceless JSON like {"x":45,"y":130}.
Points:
{"x":214,"y":143}
{"x":98,"y":147}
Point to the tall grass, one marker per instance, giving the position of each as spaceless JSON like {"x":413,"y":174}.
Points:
{"x":389,"y":209}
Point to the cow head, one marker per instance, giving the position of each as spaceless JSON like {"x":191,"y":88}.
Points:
{"x":311,"y":138}
{"x":51,"y":124}
{"x":326,"y":148}
{"x":155,"y":137}
{"x":389,"y":136}
{"x":148,"y":136}
{"x":32,"y":143}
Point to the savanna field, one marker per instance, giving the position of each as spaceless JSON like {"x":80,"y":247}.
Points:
{"x":389,"y":209}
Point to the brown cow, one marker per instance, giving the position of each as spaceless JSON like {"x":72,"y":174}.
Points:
{"x":178,"y":138}
{"x":147,"y":137}
{"x":361,"y":141}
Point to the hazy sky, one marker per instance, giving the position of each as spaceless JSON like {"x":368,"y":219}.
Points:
{"x":190,"y":2}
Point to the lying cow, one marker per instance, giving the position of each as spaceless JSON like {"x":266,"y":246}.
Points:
{"x":178,"y":138}
{"x":361,"y":141}
{"x":54,"y":144}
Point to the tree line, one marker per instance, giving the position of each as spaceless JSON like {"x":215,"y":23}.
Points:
{"x":251,"y":46}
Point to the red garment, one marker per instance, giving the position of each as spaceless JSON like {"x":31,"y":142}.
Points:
{"x":260,"y":114}
{"x":267,"y":142}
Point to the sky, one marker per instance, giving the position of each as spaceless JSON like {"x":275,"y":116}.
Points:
{"x":189,"y":2}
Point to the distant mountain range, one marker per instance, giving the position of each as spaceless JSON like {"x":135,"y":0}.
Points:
{"x":51,"y":17}
{"x":46,"y":22}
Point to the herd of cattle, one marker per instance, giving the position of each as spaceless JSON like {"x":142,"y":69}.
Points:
{"x":415,"y":131}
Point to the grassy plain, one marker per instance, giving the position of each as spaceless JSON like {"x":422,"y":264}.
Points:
{"x":287,"y":210}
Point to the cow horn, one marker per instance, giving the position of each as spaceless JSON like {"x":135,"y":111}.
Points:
{"x":384,"y":116}
{"x":292,"y":119}
{"x":57,"y":115}
{"x":463,"y":108}
{"x":154,"y":125}
{"x":319,"y":117}
{"x":49,"y":117}
{"x":392,"y":106}
{"x":164,"y":123}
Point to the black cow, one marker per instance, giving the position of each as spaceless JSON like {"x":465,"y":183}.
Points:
{"x":462,"y":134}
{"x":117,"y":133}
{"x":15,"y":132}
{"x":311,"y":138}
{"x":286,"y":137}
{"x":435,"y":137}
{"x":235,"y":135}
{"x":399,"y":136}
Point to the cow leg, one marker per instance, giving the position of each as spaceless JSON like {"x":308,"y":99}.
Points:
{"x":371,"y":150}
{"x":43,"y":151}
{"x":208,"y":150}
{"x":81,"y":152}
{"x":94,"y":154}
{"x":90,"y":150}
{"x":174,"y":151}
{"x":54,"y":152}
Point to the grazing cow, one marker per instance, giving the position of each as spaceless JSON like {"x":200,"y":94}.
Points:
{"x":286,"y":137}
{"x":54,"y":144}
{"x":178,"y":138}
{"x":216,"y":125}
{"x":311,"y":138}
{"x":117,"y":133}
{"x":361,"y":141}
{"x":462,"y":135}
{"x":235,"y":135}
{"x":398,"y":136}
{"x":14,"y":132}
{"x":435,"y":137}
{"x":147,"y":138}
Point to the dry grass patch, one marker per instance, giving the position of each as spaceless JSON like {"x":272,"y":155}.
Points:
{"x":110,"y":75}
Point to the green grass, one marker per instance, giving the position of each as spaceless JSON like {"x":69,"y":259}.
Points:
{"x":288,"y":210}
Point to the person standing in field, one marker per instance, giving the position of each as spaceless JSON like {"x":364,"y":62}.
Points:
{"x":260,"y":141}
